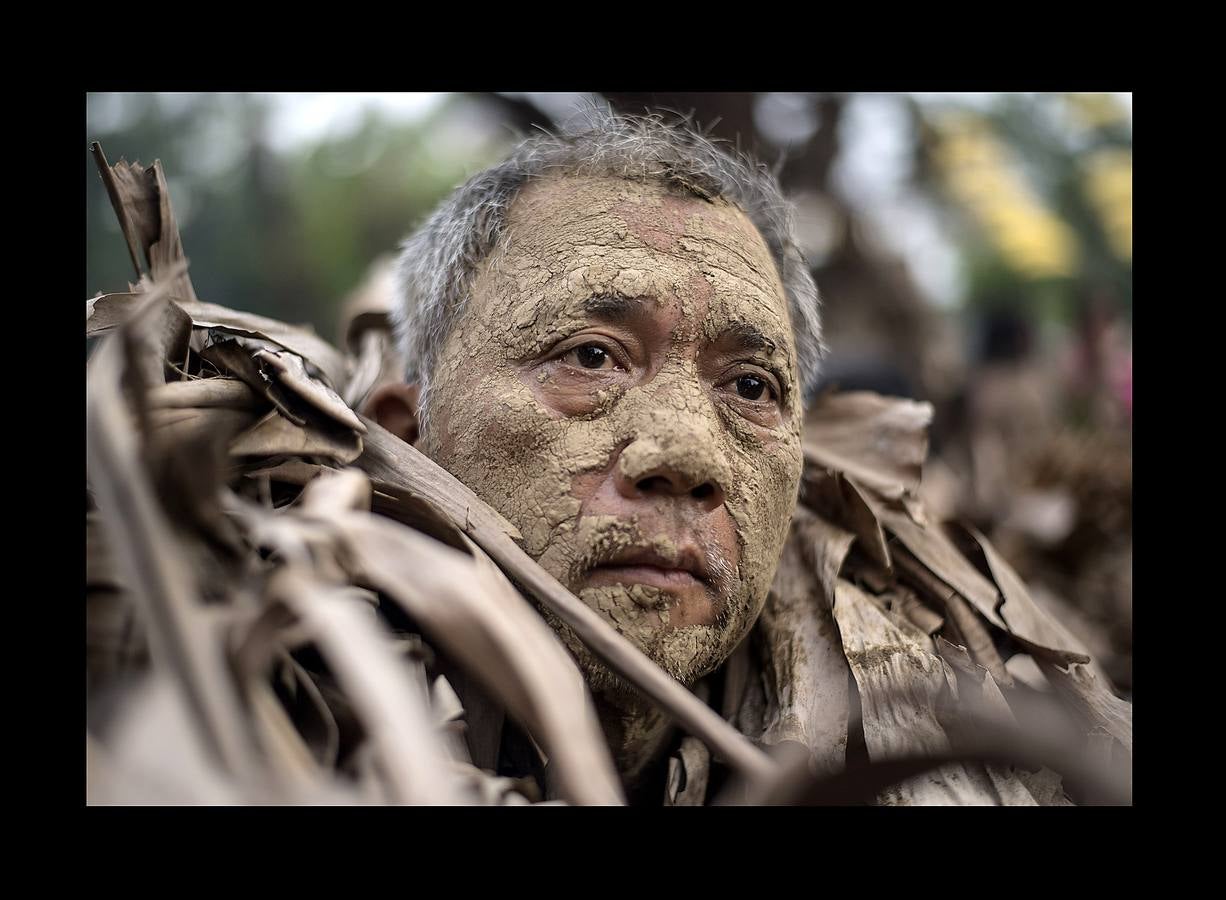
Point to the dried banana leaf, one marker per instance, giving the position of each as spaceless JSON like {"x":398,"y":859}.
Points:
{"x":878,"y":442}
{"x":390,"y":705}
{"x":152,"y":563}
{"x":204,"y":393}
{"x":274,"y":435}
{"x":902,"y":687}
{"x":480,"y":620}
{"x":804,"y":671}
{"x":103,"y":313}
{"x":141,"y":202}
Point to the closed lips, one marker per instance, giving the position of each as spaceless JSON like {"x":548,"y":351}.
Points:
{"x":648,"y":566}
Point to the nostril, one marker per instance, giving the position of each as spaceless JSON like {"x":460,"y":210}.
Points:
{"x":663,"y":484}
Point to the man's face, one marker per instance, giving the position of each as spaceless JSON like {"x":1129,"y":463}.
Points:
{"x":622,"y":387}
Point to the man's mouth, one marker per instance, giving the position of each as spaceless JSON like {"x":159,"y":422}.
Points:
{"x":686,"y":569}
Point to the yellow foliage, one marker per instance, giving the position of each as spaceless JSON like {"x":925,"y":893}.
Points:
{"x":1033,"y":240}
{"x":1109,"y":185}
{"x":1094,"y":111}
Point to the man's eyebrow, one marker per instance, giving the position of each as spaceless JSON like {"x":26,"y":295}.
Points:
{"x":748,"y":337}
{"x":613,"y":307}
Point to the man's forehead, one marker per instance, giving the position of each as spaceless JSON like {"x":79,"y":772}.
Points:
{"x":651,"y":212}
{"x":599,"y":237}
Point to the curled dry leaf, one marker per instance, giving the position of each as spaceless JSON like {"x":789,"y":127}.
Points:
{"x":204,"y":393}
{"x":835,"y":498}
{"x":878,"y":442}
{"x":289,"y":370}
{"x":104,"y":313}
{"x":275,"y":435}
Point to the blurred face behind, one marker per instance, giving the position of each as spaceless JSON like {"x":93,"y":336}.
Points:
{"x":622,"y":387}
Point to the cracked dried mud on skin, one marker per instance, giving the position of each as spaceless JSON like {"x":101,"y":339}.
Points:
{"x":569,"y":239}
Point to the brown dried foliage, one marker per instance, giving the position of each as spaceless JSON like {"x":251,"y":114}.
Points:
{"x":272,"y":583}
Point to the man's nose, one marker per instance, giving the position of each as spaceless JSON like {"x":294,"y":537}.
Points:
{"x":648,"y":468}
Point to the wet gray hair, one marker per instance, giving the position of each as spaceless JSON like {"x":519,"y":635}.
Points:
{"x":438,"y":262}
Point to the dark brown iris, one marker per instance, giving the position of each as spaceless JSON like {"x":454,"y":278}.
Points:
{"x":590,"y":356}
{"x":750,"y":387}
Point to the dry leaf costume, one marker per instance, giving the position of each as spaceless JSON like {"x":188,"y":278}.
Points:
{"x":287,"y":604}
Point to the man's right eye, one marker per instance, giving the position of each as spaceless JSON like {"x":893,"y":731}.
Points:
{"x":591,"y":356}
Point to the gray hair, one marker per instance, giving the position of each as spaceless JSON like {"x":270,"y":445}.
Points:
{"x":438,"y":262}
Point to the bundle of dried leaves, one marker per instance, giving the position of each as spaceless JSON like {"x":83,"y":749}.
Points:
{"x":286,"y":604}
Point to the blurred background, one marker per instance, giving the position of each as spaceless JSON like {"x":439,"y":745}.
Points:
{"x":972,"y":250}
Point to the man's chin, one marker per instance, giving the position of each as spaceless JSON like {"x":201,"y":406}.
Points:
{"x":685,"y":654}
{"x":649,"y":597}
{"x":644,"y":615}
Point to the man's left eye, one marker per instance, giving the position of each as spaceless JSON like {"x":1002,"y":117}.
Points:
{"x":751,"y":387}
{"x":591,"y":356}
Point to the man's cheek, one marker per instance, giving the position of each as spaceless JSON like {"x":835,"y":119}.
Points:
{"x":761,"y":505}
{"x":539,"y":468}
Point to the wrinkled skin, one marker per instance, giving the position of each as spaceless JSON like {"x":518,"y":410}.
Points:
{"x":622,"y":386}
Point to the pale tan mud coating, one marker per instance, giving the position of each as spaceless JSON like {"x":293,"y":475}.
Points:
{"x":493,"y":423}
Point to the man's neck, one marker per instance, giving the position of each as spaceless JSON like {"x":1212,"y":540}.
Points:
{"x":638,"y":736}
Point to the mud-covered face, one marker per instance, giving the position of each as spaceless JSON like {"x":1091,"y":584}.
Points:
{"x":622,"y":386}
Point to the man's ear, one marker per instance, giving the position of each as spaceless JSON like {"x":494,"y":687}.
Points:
{"x":394,"y":406}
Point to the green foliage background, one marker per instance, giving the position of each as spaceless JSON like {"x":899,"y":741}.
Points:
{"x":281,"y":234}
{"x":287,"y":233}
